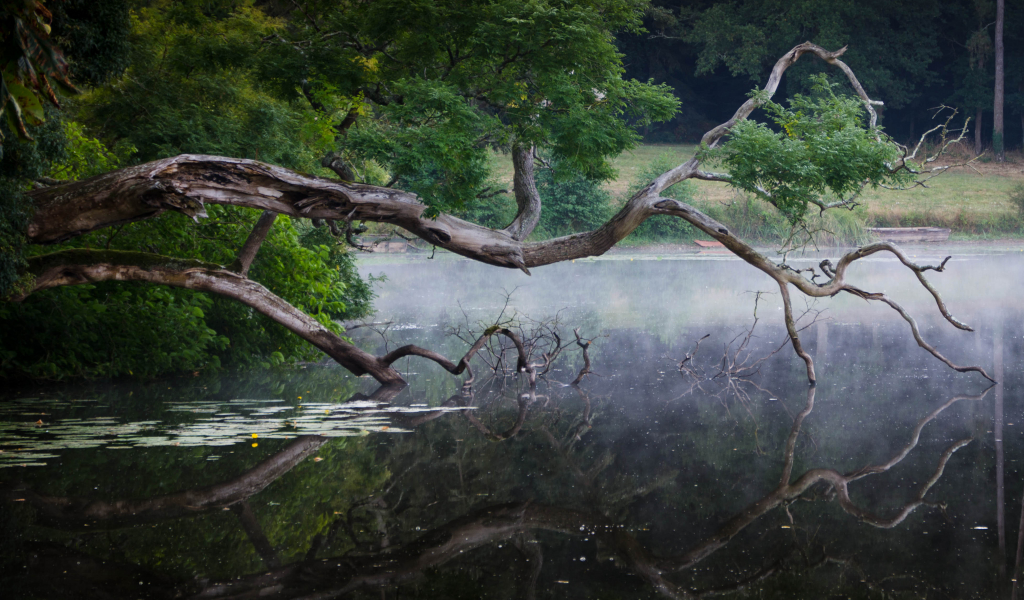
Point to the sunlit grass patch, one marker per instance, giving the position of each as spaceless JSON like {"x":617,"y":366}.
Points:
{"x":969,"y":200}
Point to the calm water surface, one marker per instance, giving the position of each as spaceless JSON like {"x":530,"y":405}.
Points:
{"x":893,"y":478}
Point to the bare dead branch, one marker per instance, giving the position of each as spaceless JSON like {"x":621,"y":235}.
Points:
{"x":187,"y":182}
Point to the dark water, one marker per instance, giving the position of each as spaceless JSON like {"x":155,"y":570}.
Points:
{"x":893,"y":478}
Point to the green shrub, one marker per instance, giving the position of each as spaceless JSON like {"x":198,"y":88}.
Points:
{"x":572,"y":202}
{"x":134,"y":329}
{"x":662,"y":228}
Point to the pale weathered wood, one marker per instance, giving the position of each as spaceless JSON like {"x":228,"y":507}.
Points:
{"x":186,"y":183}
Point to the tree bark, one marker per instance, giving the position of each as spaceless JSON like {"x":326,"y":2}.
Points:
{"x":524,"y":186}
{"x":997,"y":102}
{"x":74,"y":267}
{"x":254,"y":242}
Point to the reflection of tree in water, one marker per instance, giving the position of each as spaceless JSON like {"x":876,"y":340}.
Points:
{"x":429,"y":516}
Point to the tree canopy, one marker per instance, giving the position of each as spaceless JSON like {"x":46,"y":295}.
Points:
{"x":330,"y":113}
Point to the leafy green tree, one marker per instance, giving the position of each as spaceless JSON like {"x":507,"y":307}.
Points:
{"x":572,"y":202}
{"x":189,"y":89}
{"x":419,"y":93}
{"x":823,"y":147}
{"x":426,"y":89}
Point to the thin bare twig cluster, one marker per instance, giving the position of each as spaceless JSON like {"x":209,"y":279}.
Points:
{"x":733,"y":374}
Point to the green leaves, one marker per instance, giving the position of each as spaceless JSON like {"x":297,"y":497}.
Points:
{"x":195,"y":85}
{"x":431,"y":143}
{"x":822,"y":148}
{"x":29,"y":62}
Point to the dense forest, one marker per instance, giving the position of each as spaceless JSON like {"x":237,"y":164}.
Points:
{"x":416,"y":96}
{"x":914,"y":55}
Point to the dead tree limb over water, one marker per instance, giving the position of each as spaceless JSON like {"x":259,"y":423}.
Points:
{"x":186,"y":183}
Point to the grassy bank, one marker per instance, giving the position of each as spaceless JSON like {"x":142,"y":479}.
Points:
{"x":974,"y":202}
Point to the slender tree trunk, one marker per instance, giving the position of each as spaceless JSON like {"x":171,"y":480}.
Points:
{"x":253,"y":242}
{"x":527,"y":198}
{"x":997,"y":103}
{"x":977,"y":133}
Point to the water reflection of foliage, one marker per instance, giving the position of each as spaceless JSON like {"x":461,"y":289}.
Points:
{"x":454,"y":495}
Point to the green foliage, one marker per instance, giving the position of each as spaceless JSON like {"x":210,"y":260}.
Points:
{"x":357,"y":294}
{"x":495,"y":212}
{"x":823,"y":147}
{"x":193,"y":87}
{"x":21,"y":163}
{"x":87,"y":156}
{"x":29,"y":62}
{"x":107,"y":329}
{"x":571,"y":201}
{"x":429,"y":143}
{"x":434,"y":85}
{"x":662,"y":228}
{"x":94,"y":35}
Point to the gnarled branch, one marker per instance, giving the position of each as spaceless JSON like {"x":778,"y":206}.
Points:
{"x":73,"y":267}
{"x":186,"y":183}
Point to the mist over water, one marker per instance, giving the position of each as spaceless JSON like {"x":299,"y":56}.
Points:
{"x":893,"y":476}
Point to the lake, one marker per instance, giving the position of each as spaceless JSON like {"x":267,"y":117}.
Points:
{"x":675,"y":469}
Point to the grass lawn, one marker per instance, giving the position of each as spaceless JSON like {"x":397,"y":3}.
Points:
{"x":966,"y":199}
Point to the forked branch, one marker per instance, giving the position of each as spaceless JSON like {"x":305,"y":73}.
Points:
{"x":186,"y":183}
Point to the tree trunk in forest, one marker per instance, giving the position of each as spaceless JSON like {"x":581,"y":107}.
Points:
{"x":524,"y":186}
{"x":997,"y":102}
{"x":253,"y":242}
{"x":977,"y":133}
